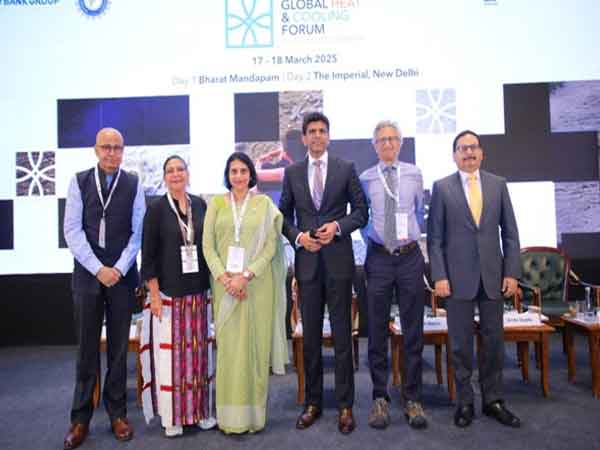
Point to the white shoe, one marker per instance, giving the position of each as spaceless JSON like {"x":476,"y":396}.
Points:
{"x":207,"y":424}
{"x":173,"y":431}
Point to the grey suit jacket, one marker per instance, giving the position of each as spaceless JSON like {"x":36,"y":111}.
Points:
{"x":464,"y":253}
{"x":341,"y":187}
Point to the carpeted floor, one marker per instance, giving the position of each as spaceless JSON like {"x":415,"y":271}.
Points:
{"x":36,"y":385}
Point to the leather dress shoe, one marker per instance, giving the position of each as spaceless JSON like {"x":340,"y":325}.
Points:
{"x":463,"y":417}
{"x":121,"y":429}
{"x":498,"y":411}
{"x":75,"y":436}
{"x":346,"y":423}
{"x":309,"y":416}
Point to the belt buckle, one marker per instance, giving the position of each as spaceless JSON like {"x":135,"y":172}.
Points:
{"x":397,"y":251}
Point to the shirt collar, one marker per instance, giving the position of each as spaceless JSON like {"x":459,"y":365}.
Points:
{"x":383,"y":165}
{"x":323,"y":159}
{"x":464,"y":176}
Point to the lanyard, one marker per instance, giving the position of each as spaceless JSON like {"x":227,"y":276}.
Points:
{"x":102,"y":231}
{"x":237,"y":220}
{"x":388,"y":191}
{"x":187,"y":229}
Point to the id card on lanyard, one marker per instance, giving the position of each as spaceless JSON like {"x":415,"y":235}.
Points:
{"x":102,"y":232}
{"x":189,"y":252}
{"x":236,"y":253}
{"x":400,"y":217}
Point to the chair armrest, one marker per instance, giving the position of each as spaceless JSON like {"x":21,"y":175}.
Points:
{"x":537,"y":294}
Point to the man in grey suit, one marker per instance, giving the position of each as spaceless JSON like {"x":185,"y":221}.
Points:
{"x":470,"y":215}
{"x":314,"y":202}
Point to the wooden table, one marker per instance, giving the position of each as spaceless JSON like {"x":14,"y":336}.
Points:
{"x":592,"y":331}
{"x":438,"y":338}
{"x":540,"y":335}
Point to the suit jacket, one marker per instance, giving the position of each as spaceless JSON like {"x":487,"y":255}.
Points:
{"x":296,"y":204}
{"x":464,"y":253}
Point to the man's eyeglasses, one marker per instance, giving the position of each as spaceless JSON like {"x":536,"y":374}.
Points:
{"x":390,"y":139}
{"x":111,"y":148}
{"x":465,"y":148}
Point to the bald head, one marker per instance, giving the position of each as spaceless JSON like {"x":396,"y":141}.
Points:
{"x":108,"y":132}
{"x":109,"y":149}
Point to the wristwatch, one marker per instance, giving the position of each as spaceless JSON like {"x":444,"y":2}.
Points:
{"x":247,"y":274}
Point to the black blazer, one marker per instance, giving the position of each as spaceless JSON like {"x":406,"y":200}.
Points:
{"x":161,"y":249}
{"x":342,"y":186}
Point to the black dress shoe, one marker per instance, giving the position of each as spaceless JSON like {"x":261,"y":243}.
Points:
{"x":309,"y":416}
{"x":498,"y":411}
{"x":463,"y":417}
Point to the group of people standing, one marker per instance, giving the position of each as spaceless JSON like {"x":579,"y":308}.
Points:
{"x":233,"y":247}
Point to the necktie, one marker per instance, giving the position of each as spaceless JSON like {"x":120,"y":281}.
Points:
{"x":317,"y":184}
{"x":389,"y":224}
{"x":108,"y":181}
{"x":475,"y":200}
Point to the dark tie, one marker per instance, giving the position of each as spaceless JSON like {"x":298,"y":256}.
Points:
{"x":317,"y":184}
{"x":389,"y":224}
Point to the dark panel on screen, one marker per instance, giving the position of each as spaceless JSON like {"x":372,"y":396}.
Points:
{"x":256,"y":117}
{"x":582,"y":246}
{"x":61,"y":221}
{"x":537,"y":157}
{"x":37,"y":310}
{"x":526,"y":108}
{"x":528,"y":151}
{"x":6,"y":225}
{"x":142,"y":120}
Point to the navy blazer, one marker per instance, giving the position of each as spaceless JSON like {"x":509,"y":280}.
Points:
{"x":464,"y":253}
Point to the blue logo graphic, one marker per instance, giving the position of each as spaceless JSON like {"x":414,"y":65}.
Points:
{"x":436,"y":111}
{"x":93,"y":8}
{"x":248,"y":23}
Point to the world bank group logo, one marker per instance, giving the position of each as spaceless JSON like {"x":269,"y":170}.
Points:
{"x":248,"y":23}
{"x":93,"y":8}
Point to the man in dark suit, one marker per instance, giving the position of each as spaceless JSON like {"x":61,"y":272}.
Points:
{"x":470,"y":215}
{"x":103,"y":225}
{"x":314,"y":200}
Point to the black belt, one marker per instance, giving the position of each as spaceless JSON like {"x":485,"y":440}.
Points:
{"x":397,"y":251}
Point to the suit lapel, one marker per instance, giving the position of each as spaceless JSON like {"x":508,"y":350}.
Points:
{"x":463,"y":204}
{"x":304,"y":182}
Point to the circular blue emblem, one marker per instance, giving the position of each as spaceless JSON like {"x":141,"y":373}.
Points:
{"x":93,"y":8}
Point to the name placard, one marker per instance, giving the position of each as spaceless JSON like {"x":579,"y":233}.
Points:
{"x":521,"y":320}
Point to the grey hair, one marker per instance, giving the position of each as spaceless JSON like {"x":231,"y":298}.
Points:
{"x":385,"y":124}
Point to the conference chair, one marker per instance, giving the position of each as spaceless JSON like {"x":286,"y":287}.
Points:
{"x":545,"y":281}
{"x":298,"y":337}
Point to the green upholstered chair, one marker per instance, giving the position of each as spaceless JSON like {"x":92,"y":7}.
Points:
{"x":545,"y":280}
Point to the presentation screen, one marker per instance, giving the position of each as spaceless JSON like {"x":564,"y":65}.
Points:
{"x":202,"y":79}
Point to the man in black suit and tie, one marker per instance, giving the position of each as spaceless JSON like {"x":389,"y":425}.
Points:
{"x":314,"y":200}
{"x":470,"y":215}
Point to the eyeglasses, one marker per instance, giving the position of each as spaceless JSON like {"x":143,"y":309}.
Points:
{"x":111,"y":148}
{"x":390,"y":139}
{"x":464,"y":148}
